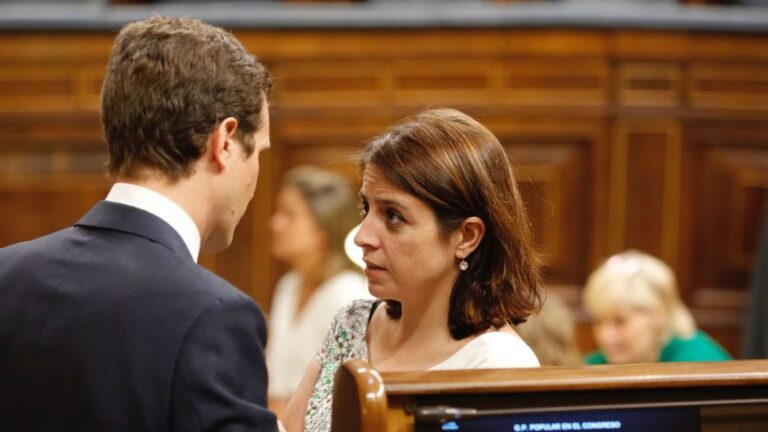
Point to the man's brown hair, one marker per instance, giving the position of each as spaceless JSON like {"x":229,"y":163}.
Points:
{"x":169,"y":83}
{"x":458,"y":167}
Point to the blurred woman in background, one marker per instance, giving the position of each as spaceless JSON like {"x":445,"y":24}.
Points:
{"x":315,"y":210}
{"x":638,"y":315}
{"x":551,"y":333}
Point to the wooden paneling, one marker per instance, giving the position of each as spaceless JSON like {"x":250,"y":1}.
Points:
{"x":730,"y":86}
{"x":442,"y":82}
{"x":731,"y":186}
{"x":32,"y":207}
{"x":646,"y":173}
{"x":734,"y":184}
{"x":327,"y":83}
{"x":621,"y":139}
{"x":28,"y":133}
{"x":552,"y":83}
{"x":721,"y":312}
{"x":554,"y":178}
{"x":649,"y":84}
{"x":53,"y":73}
{"x":438,"y":81}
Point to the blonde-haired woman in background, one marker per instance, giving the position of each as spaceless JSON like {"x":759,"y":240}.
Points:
{"x":638,"y":315}
{"x":314,"y":211}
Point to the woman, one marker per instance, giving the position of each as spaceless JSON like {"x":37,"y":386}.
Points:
{"x":315,"y":210}
{"x":639,"y":317}
{"x":447,"y":245}
{"x":551,"y":334}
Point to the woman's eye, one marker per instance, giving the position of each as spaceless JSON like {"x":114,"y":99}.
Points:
{"x":393,"y":217}
{"x":363,"y":209}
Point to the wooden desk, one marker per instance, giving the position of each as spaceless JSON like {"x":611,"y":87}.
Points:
{"x":722,"y":395}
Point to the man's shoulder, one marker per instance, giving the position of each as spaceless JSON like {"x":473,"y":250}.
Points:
{"x":212,"y":284}
{"x":131,"y":265}
{"x":25,"y":250}
{"x":171,"y":276}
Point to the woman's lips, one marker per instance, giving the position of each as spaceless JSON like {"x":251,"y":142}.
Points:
{"x":372,"y":268}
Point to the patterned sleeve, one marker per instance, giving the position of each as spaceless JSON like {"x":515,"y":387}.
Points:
{"x":330,"y":336}
{"x":345,"y":339}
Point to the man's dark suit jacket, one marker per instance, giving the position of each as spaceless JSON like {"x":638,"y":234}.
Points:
{"x":111,"y":326}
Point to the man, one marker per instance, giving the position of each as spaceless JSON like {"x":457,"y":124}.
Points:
{"x":111,"y":325}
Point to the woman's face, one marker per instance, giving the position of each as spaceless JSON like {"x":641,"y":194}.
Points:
{"x":295,"y":233}
{"x":629,"y":334}
{"x":407,"y":259}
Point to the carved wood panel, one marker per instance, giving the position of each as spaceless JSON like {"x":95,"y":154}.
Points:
{"x":554,"y":179}
{"x":730,"y":86}
{"x":649,"y":84}
{"x":733,"y":186}
{"x":645,"y":184}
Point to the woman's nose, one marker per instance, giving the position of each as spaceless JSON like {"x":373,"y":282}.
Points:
{"x":608,"y":335}
{"x":365,"y":235}
{"x":276,"y":223}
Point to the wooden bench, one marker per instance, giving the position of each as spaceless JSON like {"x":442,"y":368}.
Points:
{"x":716,"y":396}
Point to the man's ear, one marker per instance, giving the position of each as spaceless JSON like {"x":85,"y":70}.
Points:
{"x":470,"y":233}
{"x":220,"y":142}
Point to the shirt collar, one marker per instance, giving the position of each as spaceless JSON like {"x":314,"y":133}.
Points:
{"x":162,"y":207}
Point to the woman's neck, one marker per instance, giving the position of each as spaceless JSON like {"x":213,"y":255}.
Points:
{"x":310,"y":267}
{"x":422,"y":321}
{"x":311,"y":271}
{"x":418,"y":340}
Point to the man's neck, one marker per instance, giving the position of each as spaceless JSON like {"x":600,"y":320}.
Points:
{"x":185,"y":192}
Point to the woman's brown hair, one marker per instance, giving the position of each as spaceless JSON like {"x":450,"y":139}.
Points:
{"x":459,"y":168}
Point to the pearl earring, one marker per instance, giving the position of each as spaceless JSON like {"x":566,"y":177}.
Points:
{"x":463,"y":265}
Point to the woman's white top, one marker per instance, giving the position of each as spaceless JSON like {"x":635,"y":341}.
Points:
{"x":491,"y":350}
{"x":294,"y":340}
{"x":347,"y":340}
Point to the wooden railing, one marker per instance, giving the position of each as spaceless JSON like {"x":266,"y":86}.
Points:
{"x":720,"y":394}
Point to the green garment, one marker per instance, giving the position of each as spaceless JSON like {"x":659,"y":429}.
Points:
{"x":700,"y":347}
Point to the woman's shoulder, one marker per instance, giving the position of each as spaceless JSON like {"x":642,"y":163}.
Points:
{"x":595,"y":358}
{"x":347,"y":335}
{"x":504,"y":349}
{"x":288,"y":282}
{"x":492,"y":350}
{"x":355,"y":312}
{"x":700,"y":347}
{"x":286,"y":294}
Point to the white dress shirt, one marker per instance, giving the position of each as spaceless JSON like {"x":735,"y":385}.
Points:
{"x":162,"y":207}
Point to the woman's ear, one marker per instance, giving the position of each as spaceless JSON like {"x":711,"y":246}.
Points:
{"x":220,"y":142}
{"x":470,"y":233}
